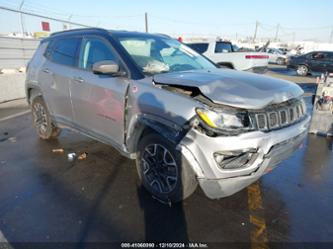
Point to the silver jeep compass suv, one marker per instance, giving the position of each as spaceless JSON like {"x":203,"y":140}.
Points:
{"x":185,"y":121}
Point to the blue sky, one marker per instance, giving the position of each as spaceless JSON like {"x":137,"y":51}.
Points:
{"x":307,"y":19}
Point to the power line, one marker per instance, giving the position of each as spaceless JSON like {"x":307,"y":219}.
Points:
{"x":42,"y":9}
{"x":43,"y":16}
{"x":308,"y":28}
{"x":167,"y":19}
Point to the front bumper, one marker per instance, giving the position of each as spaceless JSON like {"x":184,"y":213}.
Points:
{"x":272,"y":148}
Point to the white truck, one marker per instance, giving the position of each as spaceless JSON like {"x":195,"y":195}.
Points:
{"x":224,"y":54}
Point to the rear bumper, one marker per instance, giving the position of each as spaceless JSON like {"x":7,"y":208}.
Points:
{"x":271,"y":148}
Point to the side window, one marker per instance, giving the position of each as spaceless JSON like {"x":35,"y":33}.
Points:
{"x":223,"y":47}
{"x":94,"y":50}
{"x":319,"y":56}
{"x":63,"y":51}
{"x":198,"y":47}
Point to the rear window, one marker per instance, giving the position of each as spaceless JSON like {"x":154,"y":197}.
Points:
{"x":63,"y":51}
{"x":223,"y":47}
{"x":199,"y":47}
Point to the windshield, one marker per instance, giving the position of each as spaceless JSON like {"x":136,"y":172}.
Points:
{"x":154,"y":54}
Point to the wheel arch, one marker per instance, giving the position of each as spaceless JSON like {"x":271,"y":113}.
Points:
{"x":32,"y":92}
{"x":303,"y":64}
{"x":226,"y":64}
{"x":147,"y":123}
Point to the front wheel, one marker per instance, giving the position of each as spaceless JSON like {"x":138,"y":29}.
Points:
{"x":42,"y":120}
{"x":302,"y":70}
{"x":162,"y":169}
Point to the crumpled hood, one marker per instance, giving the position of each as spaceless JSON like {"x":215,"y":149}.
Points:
{"x":234,"y":88}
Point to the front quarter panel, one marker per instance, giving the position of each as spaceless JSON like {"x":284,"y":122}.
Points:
{"x":169,"y":109}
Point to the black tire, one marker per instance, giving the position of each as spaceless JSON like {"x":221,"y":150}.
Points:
{"x":302,"y":70}
{"x":172,"y":183}
{"x":42,"y":120}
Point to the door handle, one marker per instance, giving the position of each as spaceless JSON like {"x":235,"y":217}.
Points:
{"x":78,"y":79}
{"x":46,"y":70}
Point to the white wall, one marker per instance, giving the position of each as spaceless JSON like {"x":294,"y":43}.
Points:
{"x":12,"y":86}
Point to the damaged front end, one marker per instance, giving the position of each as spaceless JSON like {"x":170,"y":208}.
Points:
{"x":230,"y":147}
{"x":226,"y":164}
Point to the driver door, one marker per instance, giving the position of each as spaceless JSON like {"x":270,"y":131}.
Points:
{"x":98,"y":100}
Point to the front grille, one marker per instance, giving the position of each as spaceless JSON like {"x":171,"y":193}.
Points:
{"x":281,"y":115}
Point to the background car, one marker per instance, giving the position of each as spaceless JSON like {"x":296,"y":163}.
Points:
{"x":317,"y":61}
{"x":225,"y":54}
{"x":276,"y":56}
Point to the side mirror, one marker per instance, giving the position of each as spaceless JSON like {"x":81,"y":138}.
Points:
{"x":106,"y":67}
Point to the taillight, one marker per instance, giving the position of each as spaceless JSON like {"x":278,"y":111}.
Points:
{"x":256,"y":56}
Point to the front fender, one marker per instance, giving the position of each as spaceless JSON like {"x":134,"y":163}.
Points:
{"x":147,"y":122}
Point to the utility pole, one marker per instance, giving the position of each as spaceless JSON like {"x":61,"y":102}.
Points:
{"x":277,"y":32}
{"x":255,"y":32}
{"x":331,"y":37}
{"x":69,"y":19}
{"x":146,"y":21}
{"x":21,"y":18}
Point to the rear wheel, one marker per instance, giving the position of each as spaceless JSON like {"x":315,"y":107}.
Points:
{"x":42,"y":120}
{"x":162,"y":169}
{"x":302,"y":70}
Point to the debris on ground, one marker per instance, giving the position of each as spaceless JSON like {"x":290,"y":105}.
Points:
{"x":5,"y":133}
{"x":83,"y":156}
{"x":71,"y":156}
{"x":60,"y":151}
{"x":12,"y":139}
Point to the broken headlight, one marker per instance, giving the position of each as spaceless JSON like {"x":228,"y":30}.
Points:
{"x":225,"y":120}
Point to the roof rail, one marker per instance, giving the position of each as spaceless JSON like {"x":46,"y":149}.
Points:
{"x":78,"y":30}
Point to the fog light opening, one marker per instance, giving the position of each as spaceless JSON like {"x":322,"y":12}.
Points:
{"x":235,"y":159}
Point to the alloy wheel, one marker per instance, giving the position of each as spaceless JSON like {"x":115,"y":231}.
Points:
{"x":302,"y":70}
{"x":159,"y":168}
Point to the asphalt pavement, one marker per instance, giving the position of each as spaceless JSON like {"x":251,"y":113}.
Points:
{"x":46,"y":198}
